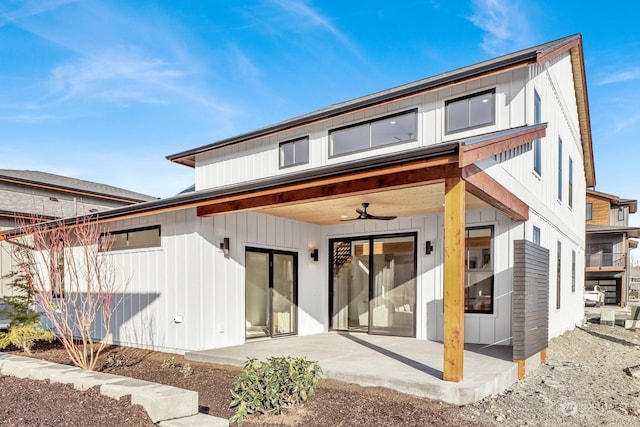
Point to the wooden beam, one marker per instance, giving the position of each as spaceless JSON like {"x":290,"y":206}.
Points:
{"x":481,"y":150}
{"x":481,"y":185}
{"x":454,"y":247}
{"x":323,"y":189}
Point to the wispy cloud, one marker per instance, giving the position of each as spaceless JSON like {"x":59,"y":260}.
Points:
{"x":309,"y":15}
{"x":505,"y":24}
{"x":623,"y":123}
{"x":11,"y":11}
{"x":621,"y":76}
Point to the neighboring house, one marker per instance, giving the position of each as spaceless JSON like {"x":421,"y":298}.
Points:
{"x":31,"y":195}
{"x":485,"y":169}
{"x":609,"y":245}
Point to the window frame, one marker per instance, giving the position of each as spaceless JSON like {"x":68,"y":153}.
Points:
{"x":573,"y":271}
{"x":127,"y":232}
{"x":570,"y":190}
{"x":621,"y":212}
{"x":537,"y":144}
{"x":491,"y":309}
{"x":558,"y":274}
{"x":370,"y":122}
{"x":468,"y":97}
{"x":588,"y":215}
{"x":293,"y":143}
{"x":536,"y":234}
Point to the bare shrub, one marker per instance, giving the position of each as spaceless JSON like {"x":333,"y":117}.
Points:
{"x":74,"y":281}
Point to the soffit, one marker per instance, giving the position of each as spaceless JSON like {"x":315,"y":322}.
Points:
{"x":403,"y":202}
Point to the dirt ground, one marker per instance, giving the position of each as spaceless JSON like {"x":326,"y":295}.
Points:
{"x":584,"y":383}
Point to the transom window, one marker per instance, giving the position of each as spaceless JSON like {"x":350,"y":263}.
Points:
{"x":294,"y":152}
{"x":145,"y":237}
{"x":366,"y":136}
{"x":471,"y":111}
{"x":478,"y":288}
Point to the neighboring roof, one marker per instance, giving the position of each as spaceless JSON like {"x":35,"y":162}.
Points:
{"x":72,"y":185}
{"x":537,"y":54}
{"x":615,"y":200}
{"x":610,"y":229}
{"x":16,"y":205}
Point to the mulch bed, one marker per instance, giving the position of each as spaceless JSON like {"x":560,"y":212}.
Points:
{"x":37,"y":403}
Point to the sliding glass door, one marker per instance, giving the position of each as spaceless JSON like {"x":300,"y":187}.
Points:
{"x":271,"y":286}
{"x":373,"y":284}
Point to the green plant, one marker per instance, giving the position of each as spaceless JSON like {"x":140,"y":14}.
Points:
{"x":115,"y":361}
{"x":170,"y":362}
{"x":19,"y":307}
{"x":186,"y":370}
{"x":273,"y":386}
{"x":24,"y":337}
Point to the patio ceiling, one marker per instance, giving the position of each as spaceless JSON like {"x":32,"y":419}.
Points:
{"x":403,"y":202}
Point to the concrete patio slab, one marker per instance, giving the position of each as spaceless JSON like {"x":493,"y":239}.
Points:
{"x":164,"y":402}
{"x":404,"y":364}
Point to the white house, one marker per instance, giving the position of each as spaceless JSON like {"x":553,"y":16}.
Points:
{"x":481,"y":173}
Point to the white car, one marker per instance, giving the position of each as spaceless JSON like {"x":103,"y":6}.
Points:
{"x":593,"y":295}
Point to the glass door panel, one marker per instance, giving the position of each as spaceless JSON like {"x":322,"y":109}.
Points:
{"x":394,"y":286}
{"x":350,"y":274}
{"x":283,"y":296}
{"x":257,"y":294}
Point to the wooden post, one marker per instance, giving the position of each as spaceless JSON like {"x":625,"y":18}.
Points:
{"x":454,"y":248}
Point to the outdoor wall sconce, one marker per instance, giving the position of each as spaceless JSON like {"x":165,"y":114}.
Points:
{"x":428,"y":247}
{"x":224,"y":246}
{"x":314,"y":255}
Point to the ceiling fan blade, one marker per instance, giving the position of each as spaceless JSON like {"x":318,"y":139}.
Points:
{"x":352,"y":219}
{"x":383,"y":217}
{"x":361,"y":212}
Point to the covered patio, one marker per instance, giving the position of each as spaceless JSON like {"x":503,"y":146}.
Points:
{"x":404,"y":364}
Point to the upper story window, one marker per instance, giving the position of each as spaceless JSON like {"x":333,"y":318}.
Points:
{"x":145,"y":237}
{"x":377,"y":133}
{"x":570,"y":196}
{"x":560,"y":169}
{"x":621,"y":213}
{"x":589,"y":213}
{"x":294,"y":152}
{"x":537,"y":119}
{"x":536,"y":235}
{"x":471,"y":111}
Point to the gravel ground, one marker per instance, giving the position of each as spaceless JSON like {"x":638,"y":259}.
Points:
{"x":583,"y":383}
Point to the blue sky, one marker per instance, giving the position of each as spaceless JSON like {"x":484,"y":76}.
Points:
{"x":104,"y":90}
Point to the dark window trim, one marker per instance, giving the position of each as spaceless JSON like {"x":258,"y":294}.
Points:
{"x":132,"y":230}
{"x":536,"y":230}
{"x":371,"y":238}
{"x":573,"y":271}
{"x":491,"y":248}
{"x":537,"y":144}
{"x":370,"y":122}
{"x":558,"y":274}
{"x":462,"y":98}
{"x":589,"y":212}
{"x":570,"y":195}
{"x":560,"y":169}
{"x":621,"y":213}
{"x":295,"y":163}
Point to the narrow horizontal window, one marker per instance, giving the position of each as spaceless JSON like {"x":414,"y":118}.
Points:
{"x":146,"y":237}
{"x":470,"y":111}
{"x":366,"y":136}
{"x":294,"y":152}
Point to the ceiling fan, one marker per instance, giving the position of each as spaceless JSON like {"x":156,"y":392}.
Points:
{"x":363,"y":214}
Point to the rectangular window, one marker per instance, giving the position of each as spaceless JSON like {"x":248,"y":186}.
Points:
{"x":573,"y":271}
{"x":570,"y":182}
{"x":589,"y":213}
{"x":294,"y":152}
{"x":536,"y":235}
{"x":621,"y":213}
{"x":558,"y":275}
{"x":471,"y":111}
{"x":146,"y":237}
{"x":537,"y":119}
{"x":559,"y":169}
{"x":478,"y":289}
{"x":377,"y":133}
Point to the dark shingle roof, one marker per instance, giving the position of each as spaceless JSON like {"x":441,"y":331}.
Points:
{"x":65,"y":183}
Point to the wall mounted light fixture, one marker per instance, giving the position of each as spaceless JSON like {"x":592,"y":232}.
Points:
{"x":224,"y":246}
{"x":428,"y":247}
{"x":314,"y":255}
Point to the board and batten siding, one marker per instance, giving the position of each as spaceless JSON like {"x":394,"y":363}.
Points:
{"x":258,"y":158}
